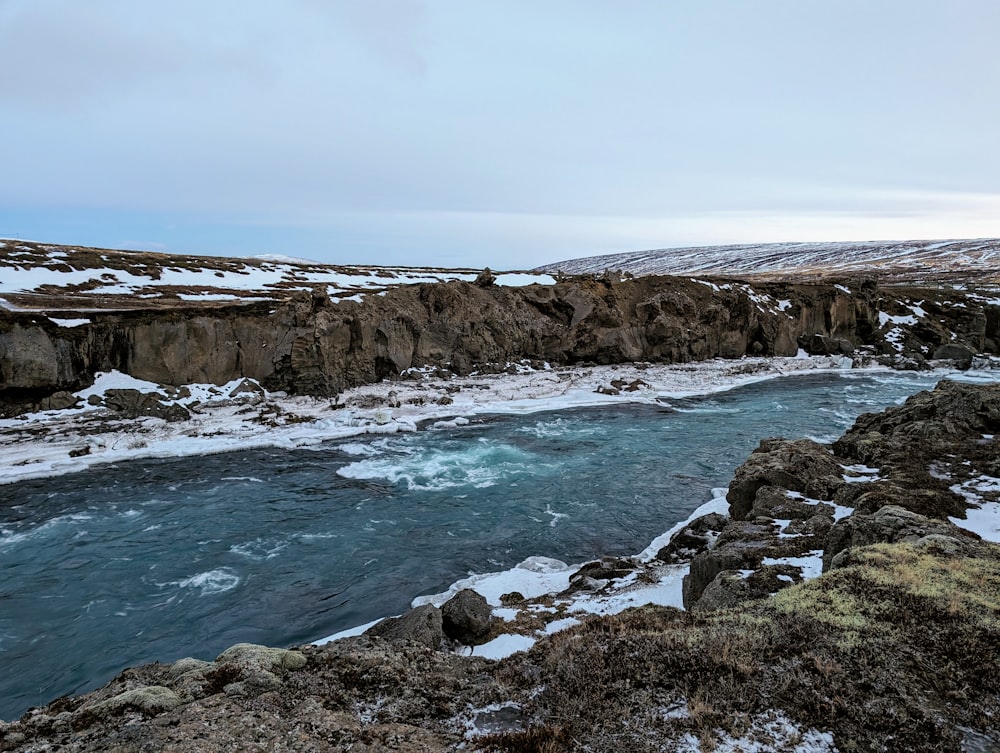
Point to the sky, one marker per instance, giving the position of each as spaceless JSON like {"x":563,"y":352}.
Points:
{"x":501,"y":133}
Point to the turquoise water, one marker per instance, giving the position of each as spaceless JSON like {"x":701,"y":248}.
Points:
{"x":160,"y":559}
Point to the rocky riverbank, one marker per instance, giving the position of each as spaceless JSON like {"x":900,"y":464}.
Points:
{"x":894,"y":647}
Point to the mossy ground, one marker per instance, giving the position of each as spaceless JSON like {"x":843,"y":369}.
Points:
{"x":894,"y":652}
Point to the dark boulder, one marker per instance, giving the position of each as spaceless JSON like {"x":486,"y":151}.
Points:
{"x":796,"y":465}
{"x":821,"y":345}
{"x":693,"y":539}
{"x":888,"y":525}
{"x":58,"y":401}
{"x":960,"y":354}
{"x":135,"y":404}
{"x":466,"y":617}
{"x":423,"y":625}
{"x":732,"y":587}
{"x":597,"y":574}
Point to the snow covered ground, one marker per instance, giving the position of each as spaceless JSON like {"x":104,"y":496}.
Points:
{"x":50,"y":271}
{"x":932,"y":258}
{"x":241,"y":415}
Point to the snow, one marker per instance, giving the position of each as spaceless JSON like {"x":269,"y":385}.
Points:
{"x":884,"y":319}
{"x":520,"y":279}
{"x":806,"y":258}
{"x":69,"y":322}
{"x":717,"y":504}
{"x":983,"y":520}
{"x":810,"y":566}
{"x":503,"y":646}
{"x":768,"y":732}
{"x":895,"y":337}
{"x":557,"y":626}
{"x":222,"y":279}
{"x":983,"y":517}
{"x":533,"y":577}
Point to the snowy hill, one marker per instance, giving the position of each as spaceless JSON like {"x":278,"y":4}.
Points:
{"x":34,"y":275}
{"x":894,"y":260}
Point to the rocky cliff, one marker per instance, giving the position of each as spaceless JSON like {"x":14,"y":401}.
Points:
{"x":309,"y":344}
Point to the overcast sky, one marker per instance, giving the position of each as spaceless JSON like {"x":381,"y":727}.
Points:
{"x":500,"y":133}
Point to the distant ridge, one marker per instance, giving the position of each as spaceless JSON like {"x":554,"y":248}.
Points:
{"x":895,"y":260}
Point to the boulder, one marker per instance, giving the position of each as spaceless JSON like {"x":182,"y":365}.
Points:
{"x":821,"y":345}
{"x":151,"y":699}
{"x":466,"y":617}
{"x":796,"y":465}
{"x":133,"y":404}
{"x":732,"y":587}
{"x":694,"y":538}
{"x":960,"y":354}
{"x":423,"y":625}
{"x":746,"y":545}
{"x":774,"y":502}
{"x":888,"y":525}
{"x":58,"y":401}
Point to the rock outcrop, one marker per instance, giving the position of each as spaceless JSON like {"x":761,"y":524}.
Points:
{"x":306,"y":343}
{"x":895,"y":476}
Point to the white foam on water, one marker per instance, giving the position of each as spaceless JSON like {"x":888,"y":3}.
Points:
{"x":259,"y":549}
{"x":560,"y":428}
{"x":9,"y":536}
{"x":480,"y":464}
{"x":211,"y":581}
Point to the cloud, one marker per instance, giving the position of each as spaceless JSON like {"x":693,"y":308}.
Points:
{"x":59,"y":52}
{"x":394,"y":32}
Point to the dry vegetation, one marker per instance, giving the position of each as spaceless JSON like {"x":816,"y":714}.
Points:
{"x":890,"y":653}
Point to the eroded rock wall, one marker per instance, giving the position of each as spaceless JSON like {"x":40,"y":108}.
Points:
{"x":309,"y":344}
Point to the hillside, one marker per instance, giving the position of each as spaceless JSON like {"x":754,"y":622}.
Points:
{"x":48,"y":277}
{"x":945,"y":261}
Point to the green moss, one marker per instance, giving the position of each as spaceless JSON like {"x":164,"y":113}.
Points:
{"x":151,"y":699}
{"x":964,"y":587}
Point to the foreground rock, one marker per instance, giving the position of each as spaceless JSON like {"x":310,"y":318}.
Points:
{"x":895,"y":648}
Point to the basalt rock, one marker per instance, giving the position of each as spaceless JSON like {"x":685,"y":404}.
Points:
{"x":886,"y":526}
{"x":800,"y":466}
{"x":466,"y":617}
{"x":694,"y":538}
{"x":917,"y":455}
{"x":308,"y":344}
{"x":423,"y":625}
{"x":134,"y":404}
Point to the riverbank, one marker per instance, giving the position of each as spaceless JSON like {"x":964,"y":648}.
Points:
{"x":243,"y":415}
{"x":892,"y":648}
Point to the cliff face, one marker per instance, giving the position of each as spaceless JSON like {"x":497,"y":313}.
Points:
{"x":309,"y":344}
